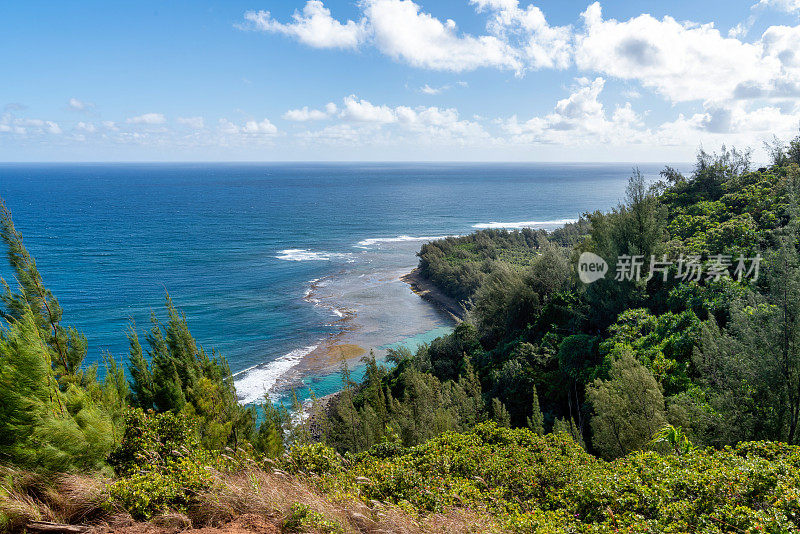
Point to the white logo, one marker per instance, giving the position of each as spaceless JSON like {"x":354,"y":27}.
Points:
{"x":591,"y":267}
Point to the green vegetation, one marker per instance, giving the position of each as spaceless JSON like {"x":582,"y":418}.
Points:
{"x":666,"y":403}
{"x":460,"y":265}
{"x":549,"y":484}
{"x":614,"y":362}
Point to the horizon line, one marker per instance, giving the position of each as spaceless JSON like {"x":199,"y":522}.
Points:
{"x":329,"y":162}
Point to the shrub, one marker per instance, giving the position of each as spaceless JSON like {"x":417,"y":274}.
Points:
{"x":160,"y":463}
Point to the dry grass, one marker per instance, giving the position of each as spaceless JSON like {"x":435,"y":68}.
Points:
{"x":272,"y":494}
{"x":76,"y":499}
{"x":68,"y":498}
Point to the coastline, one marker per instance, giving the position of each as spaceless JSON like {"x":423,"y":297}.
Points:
{"x":429,"y":292}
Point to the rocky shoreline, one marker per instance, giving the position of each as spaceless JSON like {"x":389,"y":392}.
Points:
{"x":428,"y":291}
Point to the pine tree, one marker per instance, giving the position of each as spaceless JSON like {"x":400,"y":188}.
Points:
{"x":500,"y":414}
{"x":66,"y":346}
{"x":54,"y":414}
{"x":536,"y":420}
{"x":270,"y":438}
{"x":181,"y":377}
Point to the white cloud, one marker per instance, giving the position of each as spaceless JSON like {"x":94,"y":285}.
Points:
{"x":78,"y":105}
{"x":356,"y":110}
{"x":789,"y":6}
{"x":682,"y":61}
{"x":313,"y":27}
{"x":538,"y":43}
{"x":86,"y":127}
{"x":367,"y":123}
{"x":429,"y":90}
{"x":196,"y":123}
{"x":517,"y":39}
{"x":22,"y":126}
{"x":147,"y":118}
{"x":53,"y":128}
{"x":402,"y":31}
{"x":260,"y":127}
{"x":580,"y":119}
{"x":305,"y":114}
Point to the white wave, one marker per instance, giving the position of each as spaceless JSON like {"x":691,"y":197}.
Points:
{"x":337,"y":312}
{"x":303,"y":254}
{"x":401,"y":238}
{"x":545,"y":225}
{"x":257,"y":381}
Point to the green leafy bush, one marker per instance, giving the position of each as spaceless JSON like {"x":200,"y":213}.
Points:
{"x":313,"y":457}
{"x":160,"y":464}
{"x":304,"y":519}
{"x":533,"y":483}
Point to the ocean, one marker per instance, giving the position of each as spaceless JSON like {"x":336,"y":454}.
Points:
{"x":285,"y":269}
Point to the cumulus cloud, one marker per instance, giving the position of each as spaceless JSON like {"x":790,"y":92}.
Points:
{"x":260,"y":127}
{"x":527,"y":30}
{"x":79,"y":105}
{"x":196,"y":123}
{"x":516,"y":39}
{"x":788,"y":6}
{"x":402,"y":31}
{"x":357,"y":110}
{"x":361,"y":121}
{"x":313,"y":27}
{"x":682,"y":61}
{"x":580,"y":118}
{"x":23,"y":126}
{"x":147,"y":118}
{"x":305,"y":114}
{"x":87,"y":127}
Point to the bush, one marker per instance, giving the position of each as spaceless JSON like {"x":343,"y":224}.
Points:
{"x":546,"y":484}
{"x":304,"y":519}
{"x":313,"y":458}
{"x":160,"y":463}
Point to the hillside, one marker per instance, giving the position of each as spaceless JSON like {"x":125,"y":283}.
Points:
{"x":664,"y":403}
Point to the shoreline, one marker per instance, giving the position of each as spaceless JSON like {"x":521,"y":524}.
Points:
{"x":326,"y":357}
{"x":429,"y":292}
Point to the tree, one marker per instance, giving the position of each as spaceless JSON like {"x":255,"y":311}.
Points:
{"x":54,"y":414}
{"x":67,"y":348}
{"x":568,"y":427}
{"x":500,"y":414}
{"x":536,"y":419}
{"x":180,"y":376}
{"x":629,"y":408}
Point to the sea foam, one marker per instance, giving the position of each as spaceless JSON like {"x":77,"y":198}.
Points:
{"x":303,"y":254}
{"x":401,"y":238}
{"x":253,"y":383}
{"x":545,"y":225}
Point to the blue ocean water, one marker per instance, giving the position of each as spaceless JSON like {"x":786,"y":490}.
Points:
{"x":272,"y":261}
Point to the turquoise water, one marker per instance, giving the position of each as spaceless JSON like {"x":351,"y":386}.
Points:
{"x":273,"y":262}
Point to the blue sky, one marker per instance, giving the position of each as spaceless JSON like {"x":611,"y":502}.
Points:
{"x":395,"y":79}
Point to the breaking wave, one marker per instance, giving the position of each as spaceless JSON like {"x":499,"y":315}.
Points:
{"x":304,"y":254}
{"x":401,"y":238}
{"x":543,"y":225}
{"x":252,"y":384}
